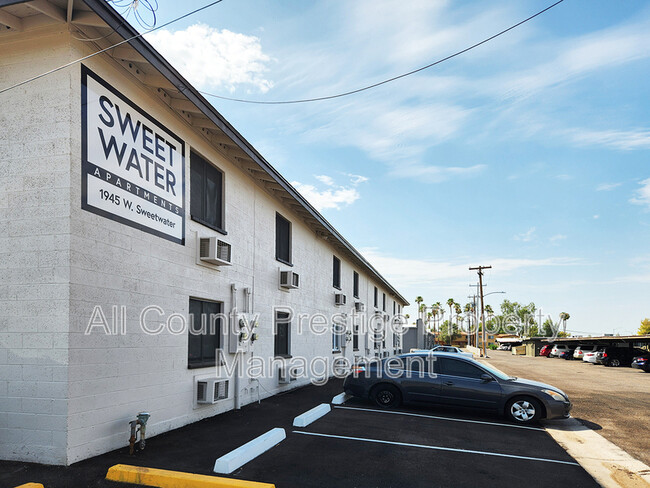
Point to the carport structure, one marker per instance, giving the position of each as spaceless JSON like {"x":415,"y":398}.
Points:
{"x":631,"y":341}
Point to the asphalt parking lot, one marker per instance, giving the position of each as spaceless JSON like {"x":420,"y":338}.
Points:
{"x":355,"y":445}
{"x":358,"y":445}
{"x":613,"y":401}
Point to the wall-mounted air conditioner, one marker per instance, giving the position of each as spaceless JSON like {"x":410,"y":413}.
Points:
{"x":287,"y":374}
{"x":211,"y":390}
{"x":359,"y":307}
{"x":214,"y":251}
{"x":340,"y":299}
{"x":289,"y":279}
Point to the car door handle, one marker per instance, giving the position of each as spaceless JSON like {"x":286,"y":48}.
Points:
{"x":449,"y":383}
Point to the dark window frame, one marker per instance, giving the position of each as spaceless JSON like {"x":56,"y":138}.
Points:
{"x":279,"y":255}
{"x":336,"y":272}
{"x":282,"y":321}
{"x":355,"y":337}
{"x":383,"y":302}
{"x":198,"y":189}
{"x":207,"y":307}
{"x":355,"y":284}
{"x":376,"y":297}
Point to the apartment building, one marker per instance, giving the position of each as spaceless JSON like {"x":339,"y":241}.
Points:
{"x":146,"y":248}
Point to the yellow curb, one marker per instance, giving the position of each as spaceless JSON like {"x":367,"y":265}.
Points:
{"x":163,"y":478}
{"x":30,"y":485}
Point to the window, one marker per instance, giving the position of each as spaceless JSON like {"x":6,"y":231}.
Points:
{"x":355,"y":337}
{"x":282,"y":332}
{"x":376,"y":299}
{"x":206,"y":193}
{"x":394,"y":307}
{"x":383,"y":302}
{"x":336,"y":273}
{"x":355,"y":284}
{"x":204,"y":333}
{"x":336,"y":339}
{"x":282,"y":239}
{"x":453,"y":367}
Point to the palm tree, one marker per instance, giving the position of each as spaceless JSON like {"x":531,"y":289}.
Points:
{"x":450,"y":302}
{"x":437,"y":310}
{"x":469,"y":308}
{"x":564,"y":317}
{"x":459,"y":312}
{"x":419,"y":300}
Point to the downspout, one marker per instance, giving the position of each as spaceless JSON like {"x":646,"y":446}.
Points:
{"x":234,"y":325}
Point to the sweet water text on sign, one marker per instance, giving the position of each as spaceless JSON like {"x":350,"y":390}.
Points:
{"x":132,"y":167}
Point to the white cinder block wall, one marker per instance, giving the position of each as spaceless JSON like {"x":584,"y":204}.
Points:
{"x":34,"y":249}
{"x":66,"y":395}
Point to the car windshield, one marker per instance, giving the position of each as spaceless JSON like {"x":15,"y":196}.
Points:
{"x":499,"y":374}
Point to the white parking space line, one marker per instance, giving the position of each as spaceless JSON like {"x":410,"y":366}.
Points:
{"x":442,"y":418}
{"x":436,"y":448}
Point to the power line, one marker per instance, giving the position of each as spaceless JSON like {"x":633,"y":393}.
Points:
{"x":394,"y":78}
{"x":71,"y":63}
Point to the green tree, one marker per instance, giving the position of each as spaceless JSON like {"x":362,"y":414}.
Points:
{"x":548,"y":328}
{"x":644,"y":329}
{"x":448,"y":331}
{"x":515,"y":313}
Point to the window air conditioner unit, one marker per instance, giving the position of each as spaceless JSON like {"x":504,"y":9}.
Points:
{"x":289,"y":279}
{"x":287,"y":374}
{"x":211,"y":390}
{"x":359,"y":307}
{"x":339,"y":299}
{"x":215,"y":251}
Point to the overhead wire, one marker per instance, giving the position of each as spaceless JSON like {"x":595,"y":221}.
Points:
{"x":71,"y":63}
{"x":389,"y":80}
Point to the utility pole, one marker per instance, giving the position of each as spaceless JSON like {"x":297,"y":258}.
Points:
{"x":480,"y":285}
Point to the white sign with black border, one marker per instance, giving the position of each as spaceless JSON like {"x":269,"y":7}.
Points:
{"x":133,"y":167}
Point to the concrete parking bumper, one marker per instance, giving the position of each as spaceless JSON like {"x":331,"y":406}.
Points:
{"x":163,"y":478}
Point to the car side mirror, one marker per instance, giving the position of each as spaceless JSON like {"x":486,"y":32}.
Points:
{"x":486,"y":378}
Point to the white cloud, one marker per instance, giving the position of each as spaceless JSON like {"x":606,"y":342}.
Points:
{"x":527,"y":236}
{"x":563,"y":177}
{"x":357,"y":179}
{"x":607,"y":186}
{"x":334,"y":196}
{"x":596,"y":217}
{"x":327,"y":180}
{"x":579,"y":56}
{"x":213,"y":58}
{"x":387,"y":129}
{"x":409,"y":272}
{"x":437,"y":174}
{"x":642,"y":195}
{"x":557,"y":237}
{"x":617,"y":139}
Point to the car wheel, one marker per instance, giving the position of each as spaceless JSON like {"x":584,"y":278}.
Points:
{"x":386,"y":396}
{"x":614,"y":362}
{"x":523,"y":410}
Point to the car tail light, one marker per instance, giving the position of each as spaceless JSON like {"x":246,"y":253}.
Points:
{"x":358,"y":369}
{"x":604,"y":354}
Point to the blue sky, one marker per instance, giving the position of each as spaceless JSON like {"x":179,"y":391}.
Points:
{"x":529,"y":153}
